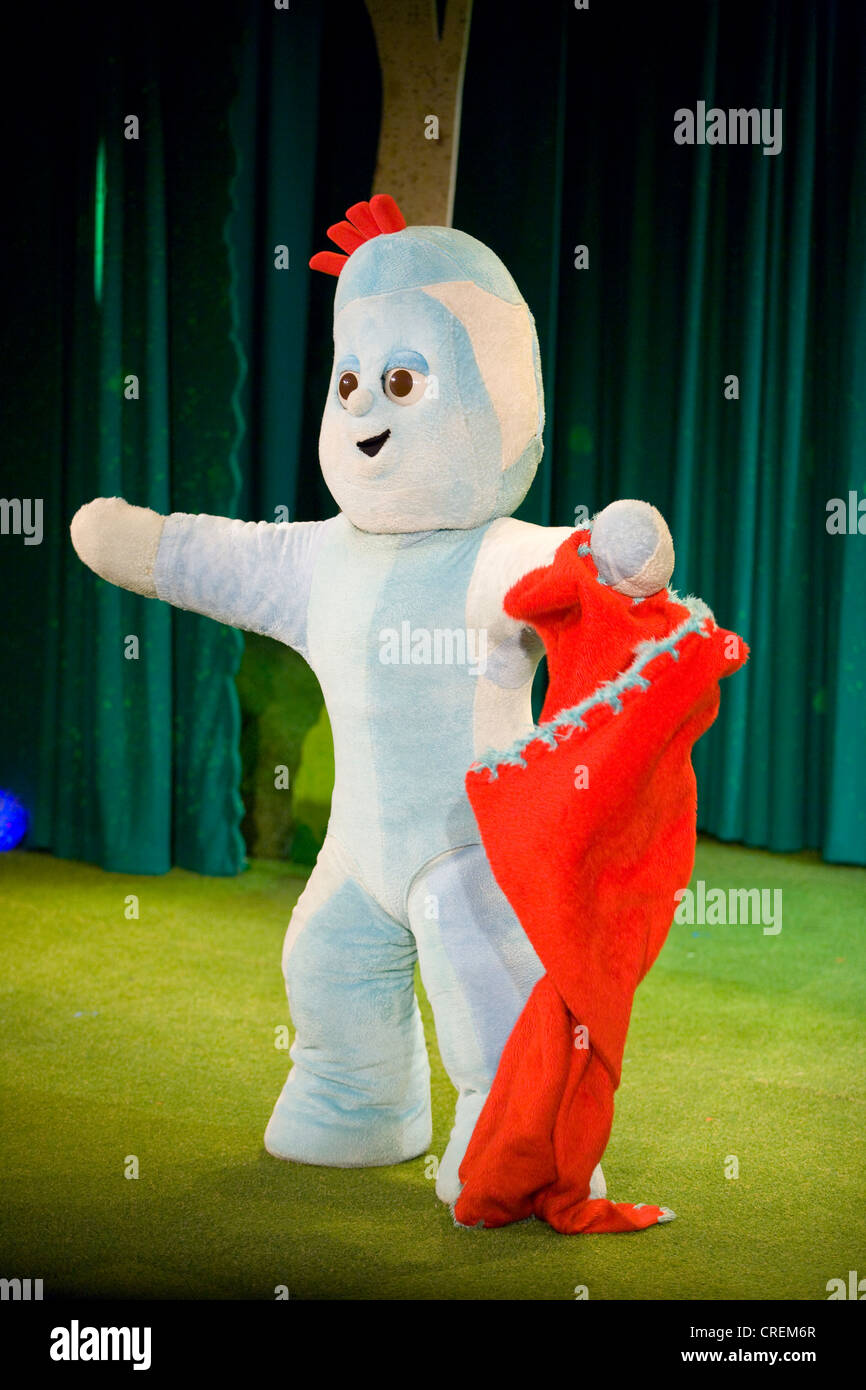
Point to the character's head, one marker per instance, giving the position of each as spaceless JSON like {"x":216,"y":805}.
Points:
{"x":435,"y":408}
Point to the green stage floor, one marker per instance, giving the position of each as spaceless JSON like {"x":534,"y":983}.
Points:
{"x":155,"y":1038}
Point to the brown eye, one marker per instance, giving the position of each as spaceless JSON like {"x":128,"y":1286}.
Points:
{"x":400,"y":383}
{"x":346,"y":385}
{"x":403,"y":386}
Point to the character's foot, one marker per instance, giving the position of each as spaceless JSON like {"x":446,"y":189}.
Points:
{"x":448,"y":1184}
{"x":302,"y":1132}
{"x":448,"y":1188}
{"x":597,"y":1183}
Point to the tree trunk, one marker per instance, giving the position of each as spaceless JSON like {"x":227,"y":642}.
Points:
{"x":422,"y":86}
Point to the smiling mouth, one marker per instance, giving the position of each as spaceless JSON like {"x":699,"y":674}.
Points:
{"x":371,"y":446}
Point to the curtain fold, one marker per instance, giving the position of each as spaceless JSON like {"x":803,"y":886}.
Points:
{"x":274,"y":129}
{"x":126,"y":742}
{"x":843,"y":796}
{"x":707,"y":262}
{"x":259,"y":128}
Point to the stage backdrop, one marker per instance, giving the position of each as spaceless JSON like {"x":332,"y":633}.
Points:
{"x":154,"y":257}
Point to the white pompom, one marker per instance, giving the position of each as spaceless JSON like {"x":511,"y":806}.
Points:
{"x":632,"y":548}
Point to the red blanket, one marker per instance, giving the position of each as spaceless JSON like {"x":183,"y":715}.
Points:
{"x":589,"y":825}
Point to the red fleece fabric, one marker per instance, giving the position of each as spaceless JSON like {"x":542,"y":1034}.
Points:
{"x":591,"y":871}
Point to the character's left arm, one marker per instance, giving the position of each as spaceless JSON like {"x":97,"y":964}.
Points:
{"x":630,"y":545}
{"x":510,"y":549}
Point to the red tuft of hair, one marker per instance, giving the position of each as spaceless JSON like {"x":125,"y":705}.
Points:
{"x":363,"y":222}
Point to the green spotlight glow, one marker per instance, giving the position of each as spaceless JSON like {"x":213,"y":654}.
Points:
{"x":99,"y":223}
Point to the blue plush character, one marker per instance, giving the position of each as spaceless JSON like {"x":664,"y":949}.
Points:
{"x":430,"y":438}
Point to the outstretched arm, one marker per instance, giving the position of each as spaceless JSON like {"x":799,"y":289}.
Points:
{"x":118,"y":542}
{"x":249,"y":574}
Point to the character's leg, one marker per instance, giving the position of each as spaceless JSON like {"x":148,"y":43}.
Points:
{"x":478,"y":969}
{"x":358,"y":1094}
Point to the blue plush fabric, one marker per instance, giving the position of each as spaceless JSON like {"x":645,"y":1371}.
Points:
{"x":441,"y":466}
{"x":397,"y":604}
{"x":422,"y":256}
{"x":402,"y":870}
{"x":358,"y":1093}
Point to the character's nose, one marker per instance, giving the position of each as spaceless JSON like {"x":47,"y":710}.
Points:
{"x":360,"y":401}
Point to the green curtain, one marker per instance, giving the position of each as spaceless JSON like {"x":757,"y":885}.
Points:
{"x":123,"y":270}
{"x":273,"y":121}
{"x":258,"y":128}
{"x":704,"y":262}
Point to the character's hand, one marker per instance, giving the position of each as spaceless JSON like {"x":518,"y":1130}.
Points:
{"x":118,"y":542}
{"x":632,"y":548}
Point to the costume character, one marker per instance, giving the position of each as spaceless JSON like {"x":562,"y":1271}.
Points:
{"x":430,"y":438}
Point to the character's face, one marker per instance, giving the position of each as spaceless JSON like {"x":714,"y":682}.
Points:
{"x":415,"y":435}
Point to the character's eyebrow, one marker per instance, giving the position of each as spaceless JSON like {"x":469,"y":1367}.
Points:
{"x":406,"y":357}
{"x":349,"y":363}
